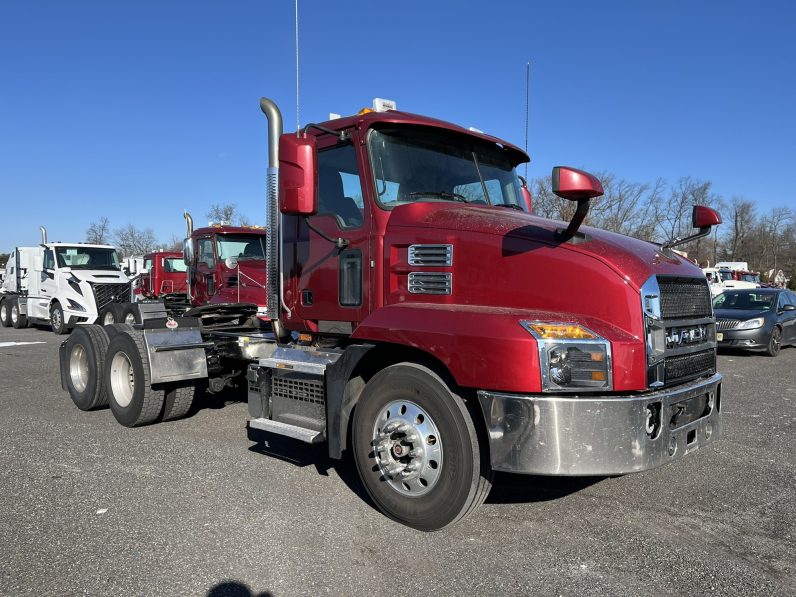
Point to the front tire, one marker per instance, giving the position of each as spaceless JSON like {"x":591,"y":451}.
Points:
{"x":108,"y":315}
{"x":775,"y":343}
{"x":132,"y":398}
{"x":57,"y":322}
{"x":417,"y":449}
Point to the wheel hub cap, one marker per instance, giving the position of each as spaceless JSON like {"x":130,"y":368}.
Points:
{"x":407,"y":448}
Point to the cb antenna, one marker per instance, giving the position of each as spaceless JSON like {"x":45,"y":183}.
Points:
{"x":527,"y":102}
{"x":298,"y":125}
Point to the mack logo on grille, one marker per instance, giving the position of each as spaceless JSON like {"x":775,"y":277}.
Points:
{"x":679,"y":337}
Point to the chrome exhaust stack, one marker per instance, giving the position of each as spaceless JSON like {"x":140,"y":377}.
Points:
{"x":274,"y":287}
{"x":188,"y":222}
{"x":43,"y":235}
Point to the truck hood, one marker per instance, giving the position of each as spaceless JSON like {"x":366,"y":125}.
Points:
{"x":633,"y":259}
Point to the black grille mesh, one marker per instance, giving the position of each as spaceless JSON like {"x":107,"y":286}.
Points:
{"x":111,"y":293}
{"x":305,"y":390}
{"x":684,"y":298}
{"x":688,"y":366}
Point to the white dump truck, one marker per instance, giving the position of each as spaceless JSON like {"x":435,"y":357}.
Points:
{"x":63,"y":284}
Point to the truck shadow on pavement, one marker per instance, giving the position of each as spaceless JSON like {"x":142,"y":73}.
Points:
{"x":234,"y":588}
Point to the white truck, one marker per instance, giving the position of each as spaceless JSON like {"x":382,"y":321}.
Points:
{"x":63,"y":284}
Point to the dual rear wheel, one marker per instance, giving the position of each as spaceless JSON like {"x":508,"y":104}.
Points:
{"x":108,"y":365}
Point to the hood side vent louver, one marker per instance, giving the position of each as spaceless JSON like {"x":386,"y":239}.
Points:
{"x":430,"y":282}
{"x":431,"y":255}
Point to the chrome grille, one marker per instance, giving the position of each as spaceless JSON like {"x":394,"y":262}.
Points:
{"x":104,"y":294}
{"x":431,"y":255}
{"x":684,"y":298}
{"x":680,"y":329}
{"x":688,"y":366}
{"x":430,"y":282}
{"x":727,"y":324}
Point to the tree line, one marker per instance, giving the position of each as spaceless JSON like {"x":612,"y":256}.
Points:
{"x":131,"y":240}
{"x":660,"y":211}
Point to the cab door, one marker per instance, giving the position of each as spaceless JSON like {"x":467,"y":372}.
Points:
{"x":329,"y":282}
{"x":203,"y":276}
{"x":47,"y":287}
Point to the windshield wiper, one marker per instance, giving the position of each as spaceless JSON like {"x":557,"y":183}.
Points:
{"x":442,"y":194}
{"x":509,"y":205}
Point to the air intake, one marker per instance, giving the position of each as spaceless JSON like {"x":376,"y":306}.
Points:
{"x":431,"y":255}
{"x":430,"y":282}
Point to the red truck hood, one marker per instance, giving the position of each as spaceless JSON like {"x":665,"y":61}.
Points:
{"x":634,"y":260}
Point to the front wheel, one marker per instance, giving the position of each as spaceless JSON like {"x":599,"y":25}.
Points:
{"x":775,"y":343}
{"x":417,"y":449}
{"x":57,"y":322}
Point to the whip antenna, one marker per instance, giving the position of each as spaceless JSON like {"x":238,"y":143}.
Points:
{"x":527,"y":101}
{"x":298,"y":121}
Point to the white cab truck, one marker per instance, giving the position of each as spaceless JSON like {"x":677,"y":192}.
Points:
{"x":63,"y":284}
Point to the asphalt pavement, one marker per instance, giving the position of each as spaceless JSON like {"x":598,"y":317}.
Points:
{"x":195,"y":507}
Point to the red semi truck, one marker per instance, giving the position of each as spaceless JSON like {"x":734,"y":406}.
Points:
{"x":422,"y":320}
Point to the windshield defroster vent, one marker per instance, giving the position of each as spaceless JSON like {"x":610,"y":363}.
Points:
{"x":430,"y":282}
{"x":431,"y":255}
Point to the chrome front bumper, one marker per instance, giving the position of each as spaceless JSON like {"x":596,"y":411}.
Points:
{"x":600,"y":435}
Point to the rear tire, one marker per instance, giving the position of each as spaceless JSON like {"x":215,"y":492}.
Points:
{"x":85,"y":354}
{"x":417,"y":449}
{"x":115,"y":328}
{"x":57,"y":322}
{"x":178,"y":401}
{"x":775,"y":343}
{"x":130,"y":314}
{"x":132,"y":399}
{"x":18,"y":321}
{"x":5,"y":313}
{"x":108,"y":315}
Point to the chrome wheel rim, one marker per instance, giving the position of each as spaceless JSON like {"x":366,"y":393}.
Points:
{"x":122,"y":379}
{"x":78,"y":368}
{"x":55,"y":319}
{"x":129,"y":319}
{"x":14,"y":314}
{"x":3,"y":312}
{"x":407,"y":448}
{"x":107,"y":319}
{"x":776,"y":340}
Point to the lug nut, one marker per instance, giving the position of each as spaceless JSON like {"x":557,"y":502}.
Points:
{"x":390,"y":427}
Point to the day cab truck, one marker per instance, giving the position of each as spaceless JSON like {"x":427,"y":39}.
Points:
{"x":63,"y":284}
{"x":220,"y":265}
{"x":422,"y":320}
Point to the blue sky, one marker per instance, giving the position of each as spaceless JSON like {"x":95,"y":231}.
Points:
{"x":137,"y":110}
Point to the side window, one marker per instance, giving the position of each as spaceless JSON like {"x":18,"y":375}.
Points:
{"x":49,"y":260}
{"x":205,"y":246}
{"x":339,"y":187}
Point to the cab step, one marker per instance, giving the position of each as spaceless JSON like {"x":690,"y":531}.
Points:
{"x":308,"y":436}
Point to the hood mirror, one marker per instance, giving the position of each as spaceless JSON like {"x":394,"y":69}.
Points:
{"x":576,"y":185}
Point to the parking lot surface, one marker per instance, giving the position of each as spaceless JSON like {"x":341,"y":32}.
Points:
{"x":195,"y":507}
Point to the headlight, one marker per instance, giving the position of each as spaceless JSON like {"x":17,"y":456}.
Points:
{"x":572,"y":357}
{"x":75,"y":306}
{"x":750,"y":324}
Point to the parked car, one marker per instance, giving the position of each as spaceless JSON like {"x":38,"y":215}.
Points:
{"x":760,"y":319}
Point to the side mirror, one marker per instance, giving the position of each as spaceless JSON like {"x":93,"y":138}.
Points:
{"x":526,"y":195}
{"x":575,"y":185}
{"x":789,"y":308}
{"x":298,"y":178}
{"x":38,"y":263}
{"x":187,"y":251}
{"x":704,"y":216}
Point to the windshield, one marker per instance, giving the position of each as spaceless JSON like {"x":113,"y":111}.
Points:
{"x":241,"y":246}
{"x":745,"y":300}
{"x":87,"y":258}
{"x":750,"y":278}
{"x":422,"y":164}
{"x":725,"y":274}
{"x":174,"y":264}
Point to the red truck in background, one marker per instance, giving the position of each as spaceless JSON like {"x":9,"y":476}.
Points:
{"x":165,"y":273}
{"x":420,"y":318}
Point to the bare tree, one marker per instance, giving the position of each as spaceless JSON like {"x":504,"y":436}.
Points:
{"x":98,"y":232}
{"x":132,"y":241}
